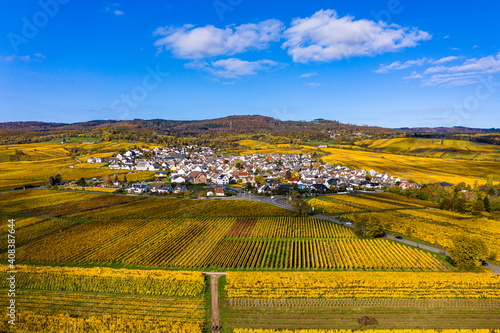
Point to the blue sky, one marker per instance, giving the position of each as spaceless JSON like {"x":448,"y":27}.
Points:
{"x":390,"y":63}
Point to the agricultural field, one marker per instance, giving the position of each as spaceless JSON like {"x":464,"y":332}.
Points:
{"x":411,"y":218}
{"x":33,"y":163}
{"x":261,"y":301}
{"x":55,"y":299}
{"x":249,"y":330}
{"x":419,"y":169}
{"x":255,"y":144}
{"x":99,"y":206}
{"x":64,"y":227}
{"x":362,"y":285}
{"x":210,"y":243}
{"x":435,"y":148}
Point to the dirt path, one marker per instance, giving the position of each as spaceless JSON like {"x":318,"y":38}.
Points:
{"x":214,"y":300}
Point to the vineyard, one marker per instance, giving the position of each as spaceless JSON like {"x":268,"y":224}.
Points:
{"x":57,"y":299}
{"x":246,"y":330}
{"x":362,"y":285}
{"x":409,"y":217}
{"x":236,"y":243}
{"x":410,"y":301}
{"x":435,"y":148}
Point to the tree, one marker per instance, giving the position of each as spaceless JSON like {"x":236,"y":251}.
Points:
{"x":260,"y":179}
{"x":301,"y":206}
{"x":477,"y":207}
{"x":467,"y":251}
{"x":107,"y":180}
{"x":125,"y":180}
{"x":368,"y":226}
{"x":239,"y":165}
{"x":58,"y":179}
{"x":51,"y":181}
{"x":486,"y":203}
{"x":248,"y":186}
{"x":116,"y":178}
{"x":489,"y":180}
{"x":81,"y":182}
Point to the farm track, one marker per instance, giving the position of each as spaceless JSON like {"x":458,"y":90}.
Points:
{"x":214,"y":300}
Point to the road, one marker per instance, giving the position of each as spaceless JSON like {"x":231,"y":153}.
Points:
{"x":214,"y":300}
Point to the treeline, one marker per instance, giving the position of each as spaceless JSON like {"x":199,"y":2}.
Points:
{"x":461,"y":198}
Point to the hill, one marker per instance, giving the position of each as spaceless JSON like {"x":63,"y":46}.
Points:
{"x":442,"y":148}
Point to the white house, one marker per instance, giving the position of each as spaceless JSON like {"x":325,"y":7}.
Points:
{"x":222,"y":179}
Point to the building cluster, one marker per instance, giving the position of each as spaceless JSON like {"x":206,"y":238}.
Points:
{"x":266,"y":173}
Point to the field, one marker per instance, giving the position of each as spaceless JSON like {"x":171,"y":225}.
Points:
{"x":210,"y":243}
{"x":289,"y":300}
{"x":64,"y":227}
{"x":435,"y":148}
{"x":412,"y":218}
{"x":55,"y":299}
{"x":33,"y":163}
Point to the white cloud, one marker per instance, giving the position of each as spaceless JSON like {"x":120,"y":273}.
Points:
{"x":398,"y":65}
{"x":113,"y":8}
{"x":314,"y":84}
{"x":469,"y":72}
{"x":25,"y":58}
{"x":188,"y":42}
{"x":419,"y":62}
{"x":485,"y":65}
{"x":413,"y":75}
{"x":232,"y":67}
{"x":326,"y":37}
{"x":445,"y":59}
{"x":308,"y":74}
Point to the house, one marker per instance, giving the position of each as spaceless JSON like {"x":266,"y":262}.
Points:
{"x":197,"y":177}
{"x":222,"y":179}
{"x":219,"y":192}
{"x":319,"y":187}
{"x":180,"y":189}
{"x":264,"y":189}
{"x":179,"y":180}
{"x":162,"y":188}
{"x":98,"y":160}
{"x":141,"y":165}
{"x":154,"y":166}
{"x":90,"y":160}
{"x":138,"y":188}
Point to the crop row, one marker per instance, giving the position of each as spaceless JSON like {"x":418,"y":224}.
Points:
{"x":319,"y":254}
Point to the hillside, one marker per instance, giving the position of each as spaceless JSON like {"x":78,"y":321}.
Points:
{"x":441,"y":148}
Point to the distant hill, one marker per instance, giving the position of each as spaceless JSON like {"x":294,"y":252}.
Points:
{"x":253,"y":123}
{"x":229,"y":130}
{"x":455,"y":129}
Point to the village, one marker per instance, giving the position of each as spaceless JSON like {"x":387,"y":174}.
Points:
{"x":177,"y":168}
